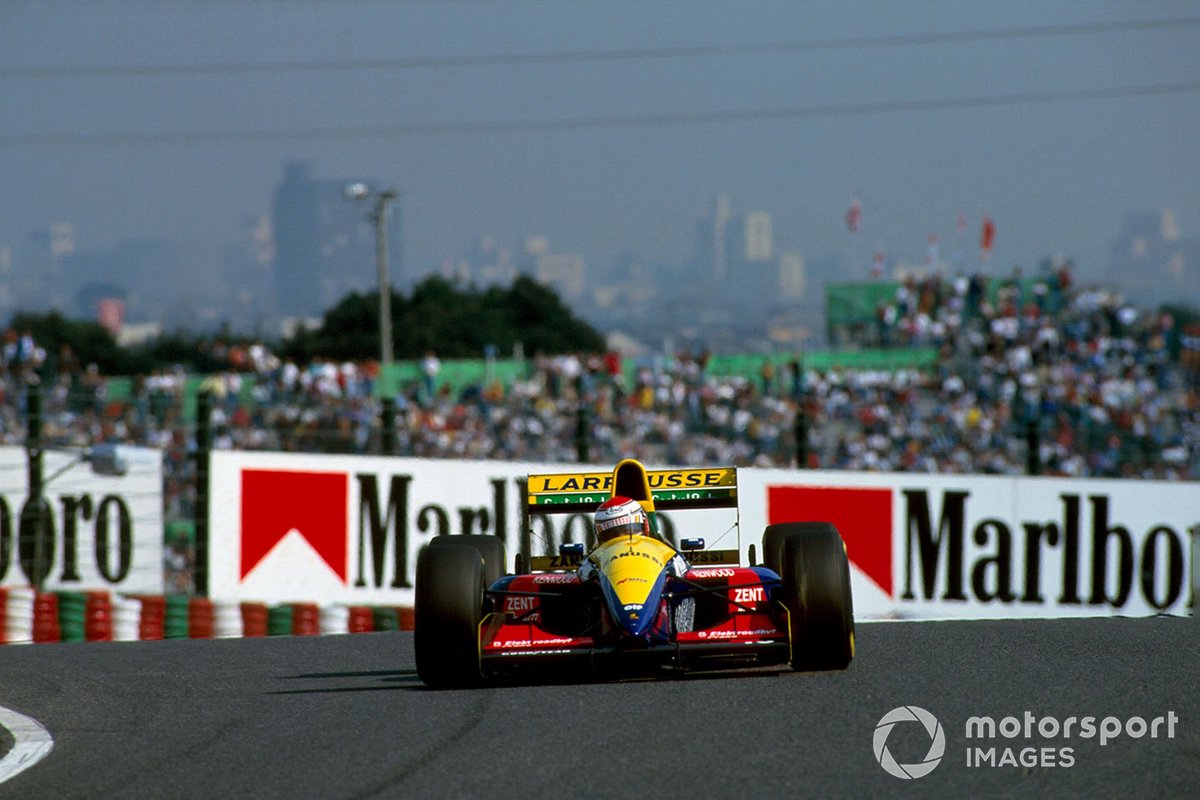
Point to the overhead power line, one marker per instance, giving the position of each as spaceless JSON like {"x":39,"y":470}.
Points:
{"x":586,"y":56}
{"x":484,"y":127}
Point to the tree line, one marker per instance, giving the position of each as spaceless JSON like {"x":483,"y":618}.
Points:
{"x":439,"y":316}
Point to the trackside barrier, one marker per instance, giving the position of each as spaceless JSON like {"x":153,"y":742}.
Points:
{"x":153,"y":624}
{"x":335,"y":620}
{"x":201,"y":621}
{"x":385,"y":618}
{"x":100,"y":616}
{"x":279,"y":621}
{"x":359,"y":619}
{"x":254,"y":619}
{"x":45,"y":618}
{"x":176,"y":620}
{"x":72,"y":611}
{"x":126,"y":618}
{"x":227,"y":620}
{"x":306,"y":619}
{"x":18,"y":623}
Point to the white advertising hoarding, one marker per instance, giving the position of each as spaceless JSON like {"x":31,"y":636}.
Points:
{"x":105,"y":531}
{"x":347,"y":529}
{"x":977,"y":546}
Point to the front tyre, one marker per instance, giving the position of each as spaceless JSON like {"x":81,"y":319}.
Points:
{"x":448,"y":609}
{"x":775,"y":535}
{"x":816,"y":591}
{"x":491,"y":548}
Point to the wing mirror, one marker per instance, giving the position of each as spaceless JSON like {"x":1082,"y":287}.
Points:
{"x":691,"y":544}
{"x":570,"y":549}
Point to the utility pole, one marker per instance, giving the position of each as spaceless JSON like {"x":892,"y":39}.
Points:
{"x":379,"y":218}
{"x":378,"y":215}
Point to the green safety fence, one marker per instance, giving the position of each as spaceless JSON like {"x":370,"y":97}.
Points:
{"x":750,"y":367}
{"x":404,"y":377}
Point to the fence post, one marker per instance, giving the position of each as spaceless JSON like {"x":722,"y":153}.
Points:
{"x":800,"y":432}
{"x":1033,"y":447}
{"x":387,"y":421}
{"x":203,"y":458}
{"x":36,"y":532}
{"x":583,"y":434}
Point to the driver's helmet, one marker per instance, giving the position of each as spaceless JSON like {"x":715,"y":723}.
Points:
{"x":620,"y":516}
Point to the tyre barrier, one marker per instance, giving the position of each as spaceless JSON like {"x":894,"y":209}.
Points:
{"x":18,"y":618}
{"x":127,"y":618}
{"x":306,"y":619}
{"x":45,"y":618}
{"x":201,"y":620}
{"x":98,"y":617}
{"x":28,"y":616}
{"x":254,"y":619}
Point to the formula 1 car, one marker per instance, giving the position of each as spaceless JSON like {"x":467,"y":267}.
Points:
{"x":635,"y":604}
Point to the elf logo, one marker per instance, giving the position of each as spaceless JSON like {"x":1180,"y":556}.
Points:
{"x":950,"y":554}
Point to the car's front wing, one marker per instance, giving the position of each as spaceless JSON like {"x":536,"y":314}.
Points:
{"x":754,"y":631}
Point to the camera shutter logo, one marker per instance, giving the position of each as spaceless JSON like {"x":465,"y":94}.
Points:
{"x":937,"y":742}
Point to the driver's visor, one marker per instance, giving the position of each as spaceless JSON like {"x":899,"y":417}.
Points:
{"x":626,"y":525}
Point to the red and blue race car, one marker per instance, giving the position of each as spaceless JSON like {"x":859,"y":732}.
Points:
{"x":636,"y":603}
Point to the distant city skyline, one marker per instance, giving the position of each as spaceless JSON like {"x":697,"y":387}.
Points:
{"x":735,"y":287}
{"x":607,"y":128}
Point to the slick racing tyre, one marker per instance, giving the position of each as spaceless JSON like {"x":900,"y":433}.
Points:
{"x":775,"y":535}
{"x":816,"y":591}
{"x":449,"y":606}
{"x":491,"y":549}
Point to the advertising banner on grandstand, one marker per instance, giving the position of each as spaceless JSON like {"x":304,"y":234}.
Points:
{"x":347,"y":529}
{"x":101,"y":531}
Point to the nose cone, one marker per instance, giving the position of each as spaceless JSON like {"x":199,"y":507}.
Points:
{"x":634,"y":591}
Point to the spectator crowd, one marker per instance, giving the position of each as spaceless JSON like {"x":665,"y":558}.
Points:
{"x":1096,"y":387}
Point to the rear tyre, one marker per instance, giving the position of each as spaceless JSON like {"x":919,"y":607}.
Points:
{"x":816,"y":591}
{"x":449,"y":607}
{"x":491,"y":549}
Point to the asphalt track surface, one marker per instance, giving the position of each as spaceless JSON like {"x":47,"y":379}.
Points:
{"x":346,"y":717}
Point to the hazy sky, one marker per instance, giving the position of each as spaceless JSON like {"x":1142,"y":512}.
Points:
{"x":608,"y":126}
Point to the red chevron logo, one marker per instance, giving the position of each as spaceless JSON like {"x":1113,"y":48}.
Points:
{"x":277,"y":502}
{"x":862,"y":516}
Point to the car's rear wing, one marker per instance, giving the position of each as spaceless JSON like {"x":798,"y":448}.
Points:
{"x":656,"y":490}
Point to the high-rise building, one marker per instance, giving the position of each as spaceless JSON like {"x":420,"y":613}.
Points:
{"x":565,"y":273}
{"x":757,"y":242}
{"x":793,"y":277}
{"x":325,"y":243}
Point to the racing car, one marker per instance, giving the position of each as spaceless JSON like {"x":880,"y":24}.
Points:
{"x":635,"y":603}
